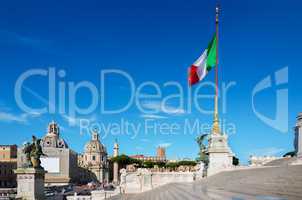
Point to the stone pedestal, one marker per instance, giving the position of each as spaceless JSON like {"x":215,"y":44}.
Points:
{"x":220,"y":155}
{"x":30,"y":183}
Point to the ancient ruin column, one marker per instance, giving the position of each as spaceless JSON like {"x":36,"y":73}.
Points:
{"x":115,"y":164}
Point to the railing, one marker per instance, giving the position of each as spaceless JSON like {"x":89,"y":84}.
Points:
{"x":95,"y":195}
{"x":79,"y":197}
{"x":136,"y":182}
{"x":7,"y":193}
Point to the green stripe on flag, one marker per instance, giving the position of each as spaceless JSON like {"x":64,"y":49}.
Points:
{"x":211,"y":59}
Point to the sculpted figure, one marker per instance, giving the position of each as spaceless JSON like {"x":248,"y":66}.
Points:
{"x":33,"y":152}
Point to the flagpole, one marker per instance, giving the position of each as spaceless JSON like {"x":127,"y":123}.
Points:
{"x":216,"y":119}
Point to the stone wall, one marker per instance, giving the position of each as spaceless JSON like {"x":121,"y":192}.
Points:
{"x":143,"y":180}
{"x":68,"y":170}
{"x":261,"y":160}
{"x":7,"y":176}
{"x":95,"y":195}
{"x":66,"y":158}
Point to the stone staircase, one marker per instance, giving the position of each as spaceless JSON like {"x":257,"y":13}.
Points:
{"x":281,"y":162}
{"x":284,"y":181}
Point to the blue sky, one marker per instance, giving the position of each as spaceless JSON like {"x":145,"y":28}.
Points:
{"x":151,"y":41}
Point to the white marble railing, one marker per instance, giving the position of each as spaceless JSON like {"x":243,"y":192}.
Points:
{"x":95,"y":195}
{"x":7,"y":193}
{"x":80,"y":197}
{"x":235,"y":168}
{"x":136,"y":182}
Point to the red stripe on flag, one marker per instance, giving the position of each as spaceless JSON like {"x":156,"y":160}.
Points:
{"x":193,"y":76}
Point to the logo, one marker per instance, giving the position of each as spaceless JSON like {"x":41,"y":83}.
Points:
{"x":280,"y":122}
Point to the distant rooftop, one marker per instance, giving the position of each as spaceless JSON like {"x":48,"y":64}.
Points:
{"x":8,"y":145}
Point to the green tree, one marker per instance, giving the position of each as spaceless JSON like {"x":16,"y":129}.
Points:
{"x":187,"y":163}
{"x":148,"y":164}
{"x":124,"y":160}
{"x":160,"y":164}
{"x":172,"y":165}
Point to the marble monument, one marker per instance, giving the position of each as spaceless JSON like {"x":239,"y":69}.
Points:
{"x":30,"y":177}
{"x":220,"y":154}
{"x":298,"y":136}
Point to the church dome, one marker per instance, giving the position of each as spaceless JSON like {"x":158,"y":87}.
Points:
{"x":52,"y":137}
{"x":94,"y":145}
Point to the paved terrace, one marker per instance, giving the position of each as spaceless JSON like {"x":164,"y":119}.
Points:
{"x":270,"y":183}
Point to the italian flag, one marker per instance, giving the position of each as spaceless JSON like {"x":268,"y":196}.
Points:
{"x":203,"y":64}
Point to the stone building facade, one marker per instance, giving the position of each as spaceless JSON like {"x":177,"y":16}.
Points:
{"x":8,"y":163}
{"x":95,"y":159}
{"x":8,"y":152}
{"x":160,"y":156}
{"x":60,"y":162}
{"x":161,"y":152}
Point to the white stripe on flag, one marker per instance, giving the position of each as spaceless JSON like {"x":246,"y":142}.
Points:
{"x":201,"y":64}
